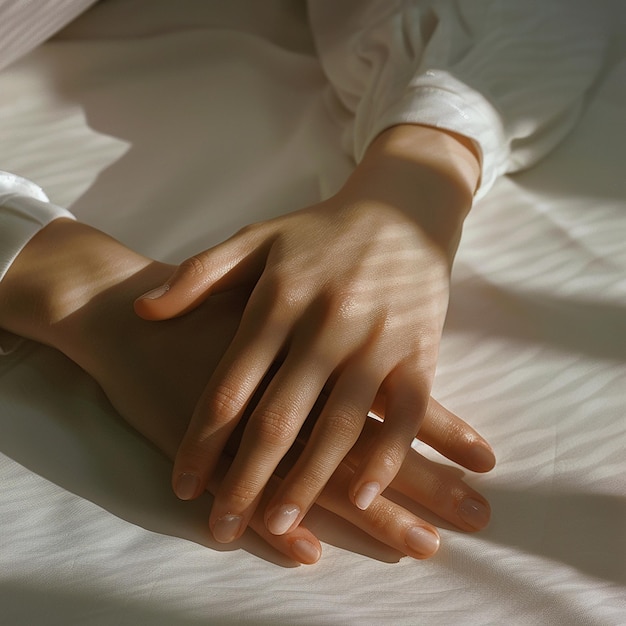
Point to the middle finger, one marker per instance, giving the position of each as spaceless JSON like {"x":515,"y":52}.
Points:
{"x":269,"y":434}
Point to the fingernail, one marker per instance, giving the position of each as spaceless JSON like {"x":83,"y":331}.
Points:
{"x":305,"y":552}
{"x":474,"y":513}
{"x":282,"y":518}
{"x":227,"y":528}
{"x":155,"y":293}
{"x":482,"y":457}
{"x":422,"y":541}
{"x":366,"y":494}
{"x":187,"y":486}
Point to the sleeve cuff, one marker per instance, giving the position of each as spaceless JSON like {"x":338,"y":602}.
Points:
{"x":437,"y":99}
{"x":24,"y":211}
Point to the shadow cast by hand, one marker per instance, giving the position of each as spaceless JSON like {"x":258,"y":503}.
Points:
{"x":85,"y":447}
{"x":586,"y":531}
{"x":69,"y":434}
{"x":596,"y":329}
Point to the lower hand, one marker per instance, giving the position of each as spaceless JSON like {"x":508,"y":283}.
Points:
{"x":72,"y":288}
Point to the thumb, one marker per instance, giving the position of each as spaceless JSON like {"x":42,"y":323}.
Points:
{"x":236,"y":261}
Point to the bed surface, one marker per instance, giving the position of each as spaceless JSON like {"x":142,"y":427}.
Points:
{"x":224,"y":116}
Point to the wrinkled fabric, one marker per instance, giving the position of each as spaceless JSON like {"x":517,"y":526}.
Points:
{"x":510,"y":76}
{"x":149,"y":135}
{"x":25,"y":24}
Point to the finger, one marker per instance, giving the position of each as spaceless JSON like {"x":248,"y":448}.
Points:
{"x":301,"y":545}
{"x":259,"y":339}
{"x":236,"y":261}
{"x":384,"y":520}
{"x":439,"y":488}
{"x":270,"y":432}
{"x":455,"y":439}
{"x":450,"y":436}
{"x":335,"y":432}
{"x":405,"y":408}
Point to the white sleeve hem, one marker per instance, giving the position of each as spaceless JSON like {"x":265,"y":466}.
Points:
{"x":24,"y":211}
{"x":439,"y":100}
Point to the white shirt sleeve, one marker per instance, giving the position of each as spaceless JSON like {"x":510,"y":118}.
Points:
{"x":511,"y":75}
{"x":24,"y":208}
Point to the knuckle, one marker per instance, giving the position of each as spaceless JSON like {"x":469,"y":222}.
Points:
{"x":290,"y":295}
{"x":284,"y":294}
{"x":274,"y":426}
{"x":247,"y":230}
{"x":444,"y":489}
{"x":391,"y":458}
{"x":194,"y":266}
{"x":380,"y":517}
{"x":343,"y":305}
{"x":344,"y":424}
{"x":241,"y":493}
{"x":193,"y":450}
{"x":193,"y":459}
{"x":225,"y":402}
{"x":313,"y":481}
{"x":305,"y":486}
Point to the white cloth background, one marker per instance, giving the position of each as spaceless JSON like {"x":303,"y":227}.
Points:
{"x":170,"y":139}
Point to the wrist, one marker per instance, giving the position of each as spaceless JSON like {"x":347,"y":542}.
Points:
{"x":438,"y":150}
{"x":61,"y":269}
{"x":429,"y":174}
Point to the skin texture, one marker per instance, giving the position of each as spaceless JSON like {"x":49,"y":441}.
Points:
{"x":72,"y":287}
{"x":349,"y":296}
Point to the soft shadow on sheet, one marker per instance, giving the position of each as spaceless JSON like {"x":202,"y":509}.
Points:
{"x":71,"y":436}
{"x":26,"y":604}
{"x":586,"y":531}
{"x":197,"y":166}
{"x":591,"y":328}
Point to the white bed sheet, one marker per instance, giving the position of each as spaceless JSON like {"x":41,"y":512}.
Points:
{"x":223,"y":115}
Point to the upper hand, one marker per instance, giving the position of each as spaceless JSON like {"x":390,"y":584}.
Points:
{"x":348,"y":296}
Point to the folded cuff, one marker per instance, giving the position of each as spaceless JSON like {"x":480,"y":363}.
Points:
{"x":437,"y":99}
{"x":24,"y":211}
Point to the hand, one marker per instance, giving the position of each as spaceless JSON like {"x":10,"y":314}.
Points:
{"x":154,"y":380}
{"x":72,"y":288}
{"x":349,"y":297}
